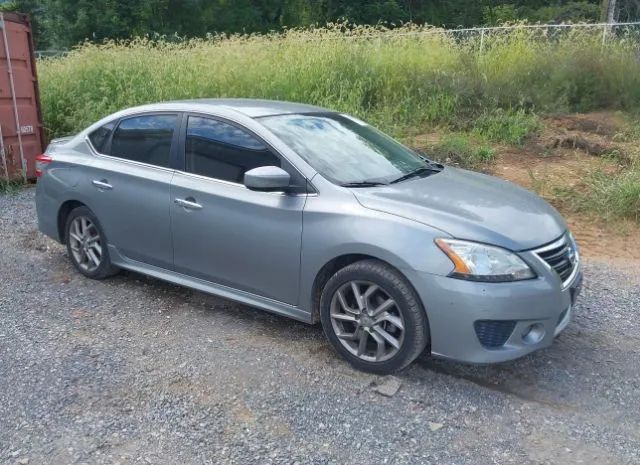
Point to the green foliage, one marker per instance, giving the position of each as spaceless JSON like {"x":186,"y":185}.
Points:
{"x":10,"y":187}
{"x":614,"y":196}
{"x":542,"y":12}
{"x":61,"y":24}
{"x":485,"y":154}
{"x":462,"y":150}
{"x":500,"y":14}
{"x":8,"y":6}
{"x":511,"y":127}
{"x":567,"y":12}
{"x":405,"y":79}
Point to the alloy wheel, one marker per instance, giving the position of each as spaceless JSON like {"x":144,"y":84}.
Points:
{"x":367,"y":321}
{"x":85,"y":243}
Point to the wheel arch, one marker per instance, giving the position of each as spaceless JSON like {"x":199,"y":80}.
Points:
{"x":339,"y":262}
{"x":63,"y":213}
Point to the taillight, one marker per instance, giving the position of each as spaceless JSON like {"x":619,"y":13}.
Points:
{"x":42,"y":161}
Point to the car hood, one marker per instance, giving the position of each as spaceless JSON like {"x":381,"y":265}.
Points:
{"x":471,"y":206}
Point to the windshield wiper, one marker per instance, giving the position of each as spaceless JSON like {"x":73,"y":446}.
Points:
{"x":432,"y":168}
{"x":363,"y":184}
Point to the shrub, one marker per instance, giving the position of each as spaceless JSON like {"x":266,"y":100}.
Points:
{"x":461,"y":150}
{"x":511,"y":127}
{"x":614,"y":196}
{"x":10,"y":187}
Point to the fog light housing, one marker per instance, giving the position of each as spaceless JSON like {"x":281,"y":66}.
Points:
{"x":533,"y":333}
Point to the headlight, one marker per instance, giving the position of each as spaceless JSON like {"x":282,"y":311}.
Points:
{"x":480,"y":262}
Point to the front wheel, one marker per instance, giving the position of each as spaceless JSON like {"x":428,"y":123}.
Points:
{"x":373,"y":317}
{"x":87,"y":246}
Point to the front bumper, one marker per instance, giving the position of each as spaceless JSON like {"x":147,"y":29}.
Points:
{"x":532,"y":312}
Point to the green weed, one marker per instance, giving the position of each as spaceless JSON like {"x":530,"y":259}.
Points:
{"x":10,"y":187}
{"x":614,"y":196}
{"x":511,"y":127}
{"x":462,"y":150}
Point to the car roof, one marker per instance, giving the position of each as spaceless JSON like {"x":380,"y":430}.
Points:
{"x":254,"y":108}
{"x":251,"y":108}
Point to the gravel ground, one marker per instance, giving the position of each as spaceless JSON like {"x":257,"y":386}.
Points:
{"x":135,"y":370}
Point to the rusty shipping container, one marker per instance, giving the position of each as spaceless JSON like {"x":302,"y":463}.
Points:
{"x":21,"y":132}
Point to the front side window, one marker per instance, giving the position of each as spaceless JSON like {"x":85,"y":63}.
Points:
{"x":344,"y":149}
{"x":100,"y":136}
{"x":146,"y":139}
{"x":223,"y":151}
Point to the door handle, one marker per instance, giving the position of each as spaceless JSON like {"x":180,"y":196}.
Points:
{"x":102,"y":184}
{"x":188,"y":203}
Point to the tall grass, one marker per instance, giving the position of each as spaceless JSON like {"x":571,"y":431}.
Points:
{"x":396,"y":79}
{"x":614,"y":197}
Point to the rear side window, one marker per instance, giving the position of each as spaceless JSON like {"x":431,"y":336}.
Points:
{"x":222,"y":151}
{"x":100,"y":136}
{"x":146,"y":139}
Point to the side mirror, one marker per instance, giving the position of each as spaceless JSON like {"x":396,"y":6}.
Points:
{"x":267,"y":178}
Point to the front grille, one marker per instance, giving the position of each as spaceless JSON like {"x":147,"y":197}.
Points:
{"x":561,"y":256}
{"x":494,"y":333}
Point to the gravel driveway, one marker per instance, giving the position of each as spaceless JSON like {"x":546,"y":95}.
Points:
{"x":135,"y":370}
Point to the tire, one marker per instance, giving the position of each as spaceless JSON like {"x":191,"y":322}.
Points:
{"x":404,"y":320}
{"x":82,"y":252}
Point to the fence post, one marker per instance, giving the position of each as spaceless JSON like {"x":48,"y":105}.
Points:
{"x":604,"y":34}
{"x":481,"y":40}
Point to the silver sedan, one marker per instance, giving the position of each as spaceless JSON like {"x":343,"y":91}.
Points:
{"x":315,"y":215}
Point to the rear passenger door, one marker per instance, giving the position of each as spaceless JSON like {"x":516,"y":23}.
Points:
{"x":129,"y":186}
{"x":231,"y":235}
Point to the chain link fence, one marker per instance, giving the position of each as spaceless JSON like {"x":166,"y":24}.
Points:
{"x":480,"y":35}
{"x":547,"y":32}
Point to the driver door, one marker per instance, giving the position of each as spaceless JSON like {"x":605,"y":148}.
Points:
{"x":225,"y":233}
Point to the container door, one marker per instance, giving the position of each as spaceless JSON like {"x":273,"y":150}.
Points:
{"x":20,"y":118}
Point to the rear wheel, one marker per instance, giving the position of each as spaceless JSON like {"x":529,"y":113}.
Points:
{"x":373,"y":317}
{"x":87,"y":246}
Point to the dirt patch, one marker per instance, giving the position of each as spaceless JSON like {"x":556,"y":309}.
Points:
{"x":603,"y":134}
{"x":558,"y":161}
{"x":564,"y":169}
{"x":592,"y":133}
{"x":577,"y":141}
{"x":547,"y":174}
{"x":555,"y":164}
{"x":603,"y":123}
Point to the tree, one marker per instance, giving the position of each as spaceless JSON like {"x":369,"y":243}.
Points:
{"x":608,"y":11}
{"x":63,"y":23}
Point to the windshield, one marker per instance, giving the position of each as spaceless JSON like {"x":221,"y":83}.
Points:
{"x":343,"y":149}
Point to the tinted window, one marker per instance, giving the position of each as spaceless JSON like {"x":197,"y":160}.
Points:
{"x":100,"y":136}
{"x":146,"y":139}
{"x":222,"y":151}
